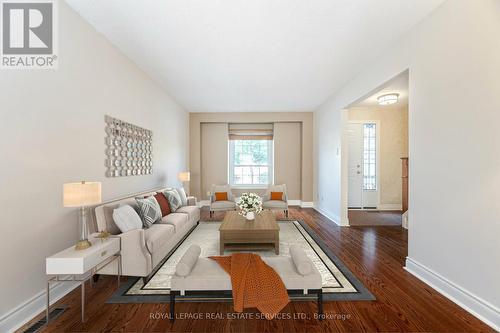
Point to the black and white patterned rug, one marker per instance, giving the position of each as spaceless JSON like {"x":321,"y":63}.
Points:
{"x":338,"y":281}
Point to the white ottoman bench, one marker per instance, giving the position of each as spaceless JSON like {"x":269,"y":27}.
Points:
{"x":195,"y":275}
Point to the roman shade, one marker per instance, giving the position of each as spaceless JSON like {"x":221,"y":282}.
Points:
{"x":262,"y":131}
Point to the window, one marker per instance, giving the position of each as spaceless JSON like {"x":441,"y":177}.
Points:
{"x":250,"y":162}
{"x":369,"y":156}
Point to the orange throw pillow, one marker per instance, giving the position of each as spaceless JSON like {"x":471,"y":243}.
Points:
{"x":221,"y":196}
{"x":277,"y":196}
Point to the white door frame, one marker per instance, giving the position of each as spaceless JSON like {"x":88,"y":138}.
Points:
{"x":377,"y":132}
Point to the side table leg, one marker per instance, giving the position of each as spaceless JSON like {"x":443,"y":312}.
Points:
{"x":119,"y":269}
{"x":83,"y":301}
{"x":47,"y":311}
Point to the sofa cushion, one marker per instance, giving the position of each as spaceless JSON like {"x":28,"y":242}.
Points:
{"x":177,"y":220}
{"x":163,"y":202}
{"x":126,"y":218}
{"x":174,"y":199}
{"x":157,"y":235}
{"x":150,"y":210}
{"x":192,"y":211}
{"x":274,"y":204}
{"x":223,"y":205}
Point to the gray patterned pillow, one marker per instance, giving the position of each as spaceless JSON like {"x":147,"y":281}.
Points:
{"x":150,"y":210}
{"x":174,"y":199}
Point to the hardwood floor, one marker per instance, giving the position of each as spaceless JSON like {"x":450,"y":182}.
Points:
{"x":374,"y":217}
{"x":375,"y":255}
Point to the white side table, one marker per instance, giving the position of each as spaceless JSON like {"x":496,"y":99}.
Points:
{"x":82,"y":265}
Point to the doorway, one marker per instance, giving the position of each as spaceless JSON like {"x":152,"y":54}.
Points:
{"x":375,"y":142}
{"x":363,"y":145}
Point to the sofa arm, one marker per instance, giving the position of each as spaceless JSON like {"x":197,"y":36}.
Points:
{"x":191,"y":201}
{"x":135,"y":257}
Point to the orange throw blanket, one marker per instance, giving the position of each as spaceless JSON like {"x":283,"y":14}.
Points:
{"x":255,"y":284}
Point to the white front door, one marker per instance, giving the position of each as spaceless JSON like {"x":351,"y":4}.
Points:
{"x":363,"y":167}
{"x":355,"y":141}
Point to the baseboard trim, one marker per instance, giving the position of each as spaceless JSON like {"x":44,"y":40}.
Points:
{"x":335,"y":219}
{"x":306,"y":204}
{"x":478,"y":307}
{"x":28,"y":310}
{"x":390,"y":207}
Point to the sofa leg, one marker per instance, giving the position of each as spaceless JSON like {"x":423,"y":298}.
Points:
{"x":211,"y":214}
{"x":95,"y":278}
{"x":286,"y":213}
{"x":172,"y":306}
{"x":320,"y":304}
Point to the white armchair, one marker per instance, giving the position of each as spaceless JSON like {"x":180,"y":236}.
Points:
{"x":268,"y":203}
{"x":221,"y":205}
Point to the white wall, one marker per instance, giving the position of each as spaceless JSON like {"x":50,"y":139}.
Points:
{"x":454,"y":62}
{"x":52,"y":132}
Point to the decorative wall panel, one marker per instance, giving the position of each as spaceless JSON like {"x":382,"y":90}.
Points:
{"x":129,"y":149}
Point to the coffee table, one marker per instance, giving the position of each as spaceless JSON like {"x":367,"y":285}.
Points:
{"x":239,"y":234}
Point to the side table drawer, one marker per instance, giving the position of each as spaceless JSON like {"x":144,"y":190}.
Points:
{"x":111,"y":247}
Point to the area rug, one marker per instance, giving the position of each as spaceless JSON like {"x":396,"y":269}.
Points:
{"x":338,"y":282}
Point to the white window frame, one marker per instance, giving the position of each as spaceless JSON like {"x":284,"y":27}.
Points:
{"x":270,"y":149}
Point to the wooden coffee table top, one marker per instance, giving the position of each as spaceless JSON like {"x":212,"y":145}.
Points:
{"x":265,"y":221}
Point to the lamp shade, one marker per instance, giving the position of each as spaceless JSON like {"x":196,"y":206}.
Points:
{"x":81,"y":194}
{"x":184,"y":176}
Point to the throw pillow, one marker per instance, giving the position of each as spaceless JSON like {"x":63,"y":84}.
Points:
{"x":277,"y":196}
{"x":126,"y":218}
{"x":221,"y":196}
{"x":150,"y":210}
{"x":163,"y":202}
{"x":111,"y":226}
{"x":174,"y":199}
{"x":182,"y":194}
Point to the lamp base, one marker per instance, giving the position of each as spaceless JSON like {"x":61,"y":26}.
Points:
{"x":83,"y":244}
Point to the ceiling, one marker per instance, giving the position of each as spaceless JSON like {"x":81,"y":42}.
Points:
{"x":259,"y":55}
{"x":398,"y":85}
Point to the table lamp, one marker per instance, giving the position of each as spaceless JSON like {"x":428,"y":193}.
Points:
{"x":185,"y":177}
{"x":82,"y":194}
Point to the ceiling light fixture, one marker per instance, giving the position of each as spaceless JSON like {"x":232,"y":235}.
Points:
{"x":388,"y":99}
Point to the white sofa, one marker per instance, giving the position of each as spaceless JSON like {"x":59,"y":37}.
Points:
{"x":199,"y":275}
{"x":142,"y":250}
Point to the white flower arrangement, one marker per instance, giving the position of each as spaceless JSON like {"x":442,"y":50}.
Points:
{"x":249,"y":202}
